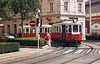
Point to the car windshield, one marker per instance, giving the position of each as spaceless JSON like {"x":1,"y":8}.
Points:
{"x":7,"y":34}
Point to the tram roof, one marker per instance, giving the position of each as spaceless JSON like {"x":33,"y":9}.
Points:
{"x":46,"y":25}
{"x":28,"y":26}
{"x":68,"y":22}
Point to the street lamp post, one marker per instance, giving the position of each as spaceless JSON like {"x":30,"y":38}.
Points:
{"x":90,"y":17}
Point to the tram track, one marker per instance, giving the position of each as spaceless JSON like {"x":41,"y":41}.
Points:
{"x":79,"y":56}
{"x":51,"y":53}
{"x":92,"y":50}
{"x":43,"y":54}
{"x":59,"y":54}
{"x":95,"y":59}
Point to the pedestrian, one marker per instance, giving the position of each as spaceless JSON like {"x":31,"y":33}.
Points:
{"x":48,"y":38}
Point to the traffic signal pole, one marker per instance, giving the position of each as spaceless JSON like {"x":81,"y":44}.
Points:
{"x":37,"y":27}
{"x":90,"y":18}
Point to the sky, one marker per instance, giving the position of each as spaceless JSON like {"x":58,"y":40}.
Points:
{"x":86,"y":0}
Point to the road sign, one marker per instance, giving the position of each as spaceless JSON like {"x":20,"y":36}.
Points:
{"x":32,"y":23}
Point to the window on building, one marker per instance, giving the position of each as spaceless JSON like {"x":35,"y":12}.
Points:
{"x":96,"y":26}
{"x":26,"y":24}
{"x":66,"y":6}
{"x":8,"y":30}
{"x":79,"y":0}
{"x":3,"y":30}
{"x":15,"y":28}
{"x":51,"y":7}
{"x":79,"y":7}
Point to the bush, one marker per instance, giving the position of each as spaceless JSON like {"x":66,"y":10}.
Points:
{"x":6,"y":47}
{"x":93,"y":37}
{"x":28,"y":41}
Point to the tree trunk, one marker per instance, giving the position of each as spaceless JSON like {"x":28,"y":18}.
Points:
{"x":22,"y":25}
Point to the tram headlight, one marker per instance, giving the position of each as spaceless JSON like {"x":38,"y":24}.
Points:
{"x":75,"y":38}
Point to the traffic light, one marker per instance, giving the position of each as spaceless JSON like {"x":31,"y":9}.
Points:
{"x":40,"y":22}
{"x":37,"y":21}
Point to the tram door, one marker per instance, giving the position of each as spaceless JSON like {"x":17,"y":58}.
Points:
{"x":63,"y":32}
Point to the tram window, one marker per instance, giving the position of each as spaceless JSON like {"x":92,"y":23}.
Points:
{"x":80,"y":28}
{"x":48,"y":30}
{"x":75,"y":28}
{"x":69,"y":28}
{"x":27,"y":30}
{"x":40,"y":30}
{"x":31,"y":30}
{"x":66,"y":29}
{"x":45,"y":30}
{"x":57,"y":29}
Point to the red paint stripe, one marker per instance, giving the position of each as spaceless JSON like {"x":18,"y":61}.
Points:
{"x":92,"y":17}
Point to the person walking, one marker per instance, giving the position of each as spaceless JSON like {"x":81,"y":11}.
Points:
{"x":48,"y":38}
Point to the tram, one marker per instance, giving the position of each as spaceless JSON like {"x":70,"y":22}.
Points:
{"x":68,"y":32}
{"x":44,"y":29}
{"x":28,"y":31}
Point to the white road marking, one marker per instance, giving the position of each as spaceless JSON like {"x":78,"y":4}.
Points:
{"x":79,"y":51}
{"x":68,"y":51}
{"x":99,"y":52}
{"x":88,"y":51}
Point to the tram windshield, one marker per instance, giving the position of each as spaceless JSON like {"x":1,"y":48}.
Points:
{"x":75,"y":28}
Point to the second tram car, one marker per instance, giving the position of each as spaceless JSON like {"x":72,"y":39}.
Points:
{"x":45,"y":29}
{"x":28,"y":31}
{"x":68,"y":32}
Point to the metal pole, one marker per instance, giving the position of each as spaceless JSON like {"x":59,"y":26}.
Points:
{"x":37,"y":28}
{"x":90,"y":17}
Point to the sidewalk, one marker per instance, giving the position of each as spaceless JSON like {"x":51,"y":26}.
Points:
{"x":21,"y":52}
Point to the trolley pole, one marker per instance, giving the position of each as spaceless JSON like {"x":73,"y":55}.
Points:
{"x":37,"y":27}
{"x":90,"y":17}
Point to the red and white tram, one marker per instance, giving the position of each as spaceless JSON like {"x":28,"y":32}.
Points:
{"x":28,"y":31}
{"x":45,"y":29}
{"x":67,"y":31}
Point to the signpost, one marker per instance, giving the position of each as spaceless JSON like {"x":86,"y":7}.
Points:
{"x":32,"y":23}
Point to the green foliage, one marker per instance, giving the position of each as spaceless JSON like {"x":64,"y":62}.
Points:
{"x":28,"y":41}
{"x":92,"y":37}
{"x":6,"y":47}
{"x":5,"y":8}
{"x":24,"y":7}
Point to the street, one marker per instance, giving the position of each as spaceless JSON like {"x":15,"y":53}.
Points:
{"x":87,"y":53}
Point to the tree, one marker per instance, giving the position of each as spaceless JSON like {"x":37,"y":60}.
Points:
{"x":5,"y":8}
{"x":24,"y":7}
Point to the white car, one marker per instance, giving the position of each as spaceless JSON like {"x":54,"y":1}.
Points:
{"x":6,"y":36}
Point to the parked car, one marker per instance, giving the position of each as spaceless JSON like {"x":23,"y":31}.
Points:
{"x":6,"y":36}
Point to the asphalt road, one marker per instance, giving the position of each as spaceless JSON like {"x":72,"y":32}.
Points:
{"x":87,"y":53}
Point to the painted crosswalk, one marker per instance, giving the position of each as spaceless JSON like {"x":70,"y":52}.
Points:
{"x":82,"y":51}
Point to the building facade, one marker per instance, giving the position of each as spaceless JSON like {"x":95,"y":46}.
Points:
{"x":52,"y":11}
{"x":59,"y":10}
{"x":95,"y":16}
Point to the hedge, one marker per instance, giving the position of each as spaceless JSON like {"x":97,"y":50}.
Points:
{"x":28,"y":41}
{"x":6,"y":47}
{"x":93,"y":37}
